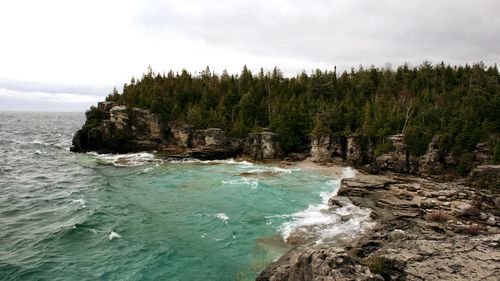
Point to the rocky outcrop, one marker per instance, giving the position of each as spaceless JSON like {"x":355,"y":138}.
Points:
{"x":485,"y":176}
{"x":482,"y":153}
{"x":262,"y":146}
{"x":111,"y":128}
{"x":328,"y":148}
{"x":430,"y":163}
{"x":328,"y":263}
{"x":359,"y":150}
{"x":206,"y":144}
{"x":425,"y":230}
{"x":396,"y":160}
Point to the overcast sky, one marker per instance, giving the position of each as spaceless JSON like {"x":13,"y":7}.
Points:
{"x":61,"y":55}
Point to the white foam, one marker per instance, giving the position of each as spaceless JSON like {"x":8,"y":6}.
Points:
{"x":323,"y":223}
{"x":113,"y":235}
{"x":222,"y":217}
{"x":40,"y":142}
{"x":198,"y":161}
{"x":253,"y":183}
{"x":348,"y":172}
{"x":79,"y":201}
{"x":127,"y":160}
{"x":228,"y":161}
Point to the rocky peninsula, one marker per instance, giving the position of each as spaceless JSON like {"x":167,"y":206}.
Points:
{"x":430,"y":225}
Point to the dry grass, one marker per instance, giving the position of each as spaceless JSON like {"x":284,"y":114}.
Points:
{"x":438,"y":216}
{"x":472,"y":230}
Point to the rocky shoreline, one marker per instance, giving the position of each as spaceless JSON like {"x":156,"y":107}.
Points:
{"x":426,"y":230}
{"x":429,"y":226}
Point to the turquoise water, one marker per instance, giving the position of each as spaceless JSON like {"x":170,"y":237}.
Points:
{"x":68,"y":216}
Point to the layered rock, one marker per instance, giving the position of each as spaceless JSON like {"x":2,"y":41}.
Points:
{"x":328,"y":148}
{"x":485,"y":176}
{"x":328,"y":263}
{"x":430,"y":163}
{"x":396,"y":160}
{"x":359,"y":150}
{"x":262,"y":146}
{"x":206,"y":144}
{"x":425,"y":231}
{"x":111,"y":128}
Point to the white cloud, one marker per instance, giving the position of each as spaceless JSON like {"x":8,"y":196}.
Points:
{"x":101,"y":44}
{"x":49,"y":97}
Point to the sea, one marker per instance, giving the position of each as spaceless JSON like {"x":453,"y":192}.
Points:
{"x":141,"y":216}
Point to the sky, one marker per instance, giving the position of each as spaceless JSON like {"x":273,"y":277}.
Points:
{"x":65,"y":55}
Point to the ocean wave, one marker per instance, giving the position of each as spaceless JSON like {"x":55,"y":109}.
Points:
{"x":113,"y":235}
{"x":81,"y":202}
{"x":223,"y":217}
{"x":321,"y":223}
{"x":198,"y":161}
{"x":253,"y":183}
{"x":127,"y":160}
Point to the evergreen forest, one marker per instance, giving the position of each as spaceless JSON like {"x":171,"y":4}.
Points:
{"x":461,"y":104}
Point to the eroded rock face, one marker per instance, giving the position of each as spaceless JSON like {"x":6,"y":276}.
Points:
{"x":261,"y":146}
{"x":318,"y":264}
{"x":215,"y":137}
{"x":485,"y":176}
{"x":430,"y":163}
{"x":111,"y":128}
{"x":182,"y":135}
{"x":328,"y":148}
{"x":396,"y":160}
{"x":359,"y":150}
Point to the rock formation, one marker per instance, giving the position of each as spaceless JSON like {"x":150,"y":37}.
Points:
{"x":328,"y":148}
{"x":263,"y":145}
{"x":485,"y":176}
{"x":425,"y":231}
{"x":110,"y":128}
{"x":430,"y":163}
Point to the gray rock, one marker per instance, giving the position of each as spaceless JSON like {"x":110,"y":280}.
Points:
{"x":261,"y":146}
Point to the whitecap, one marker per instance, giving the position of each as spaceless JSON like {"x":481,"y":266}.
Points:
{"x":253,"y":183}
{"x":39,"y":142}
{"x":222,"y":217}
{"x":228,"y":161}
{"x":79,"y":201}
{"x":322,"y":223}
{"x":148,"y":169}
{"x":113,"y":235}
{"x":127,"y":160}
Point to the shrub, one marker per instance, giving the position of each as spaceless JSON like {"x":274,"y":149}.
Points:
{"x":472,"y":230}
{"x":383,"y":148}
{"x":466,"y":163}
{"x":438,"y":216}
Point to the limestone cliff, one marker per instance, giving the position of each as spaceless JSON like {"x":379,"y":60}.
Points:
{"x":111,"y":128}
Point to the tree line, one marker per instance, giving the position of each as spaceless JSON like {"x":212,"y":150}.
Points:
{"x":459,"y":103}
